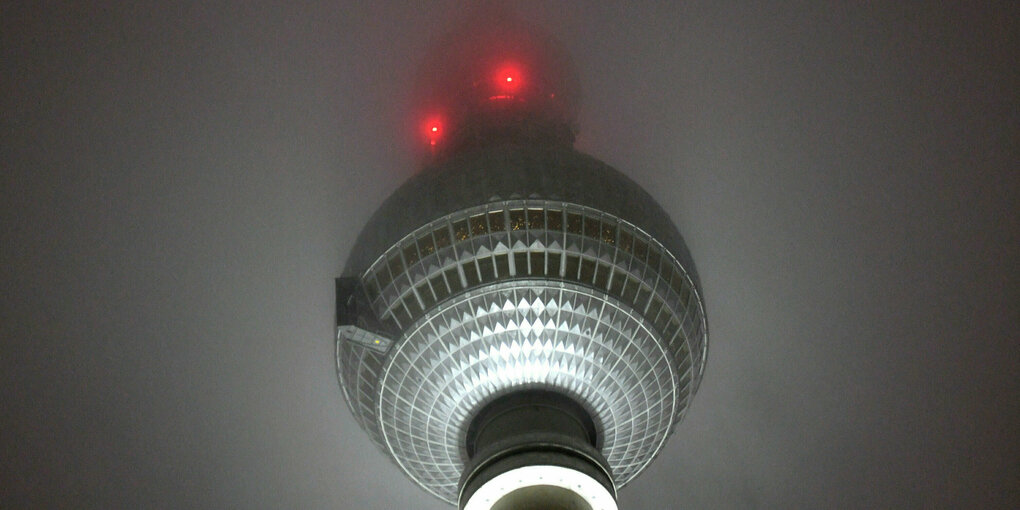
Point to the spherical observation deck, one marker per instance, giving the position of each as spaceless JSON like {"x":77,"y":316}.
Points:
{"x":512,"y":267}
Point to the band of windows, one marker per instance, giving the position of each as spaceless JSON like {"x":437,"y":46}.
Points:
{"x":536,"y":239}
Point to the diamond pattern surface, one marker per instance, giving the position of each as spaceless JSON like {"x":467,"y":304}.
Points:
{"x":555,"y":336}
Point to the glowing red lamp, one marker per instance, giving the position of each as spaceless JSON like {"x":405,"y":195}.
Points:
{"x":507,"y":82}
{"x":433,"y":128}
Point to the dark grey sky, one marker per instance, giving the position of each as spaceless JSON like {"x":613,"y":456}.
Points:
{"x":182,"y":182}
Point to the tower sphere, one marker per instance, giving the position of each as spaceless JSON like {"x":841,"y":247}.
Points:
{"x":519,"y":321}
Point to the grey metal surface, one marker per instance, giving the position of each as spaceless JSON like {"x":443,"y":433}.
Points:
{"x":524,"y":293}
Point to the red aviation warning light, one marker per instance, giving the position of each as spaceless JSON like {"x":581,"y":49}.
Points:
{"x":433,"y":128}
{"x":507,"y":82}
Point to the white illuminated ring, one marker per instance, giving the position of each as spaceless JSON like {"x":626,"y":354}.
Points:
{"x":583,"y":486}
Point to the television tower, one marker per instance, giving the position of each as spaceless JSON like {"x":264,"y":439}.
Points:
{"x":519,"y":325}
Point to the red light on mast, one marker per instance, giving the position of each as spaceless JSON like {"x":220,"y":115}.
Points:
{"x":433,"y":128}
{"x":508,"y":82}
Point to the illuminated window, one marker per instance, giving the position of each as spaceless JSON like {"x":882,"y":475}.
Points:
{"x":608,"y":233}
{"x":517,"y":220}
{"x":478,"y":226}
{"x":426,"y":246}
{"x":460,"y":230}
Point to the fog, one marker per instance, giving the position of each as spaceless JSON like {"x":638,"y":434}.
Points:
{"x":183,"y":182}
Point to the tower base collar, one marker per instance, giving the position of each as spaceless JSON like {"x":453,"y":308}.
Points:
{"x":541,"y":487}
